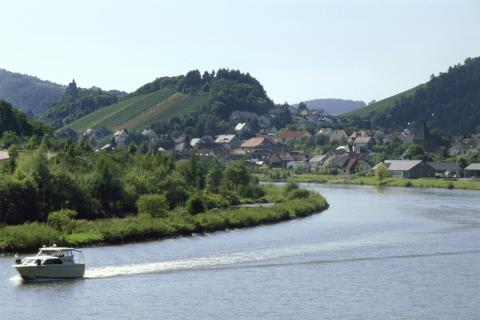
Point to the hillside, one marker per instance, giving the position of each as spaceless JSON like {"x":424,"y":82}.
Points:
{"x":27,"y":93}
{"x":382,"y":105}
{"x":142,"y":110}
{"x":449,"y":102}
{"x":78,"y":102}
{"x":334,"y":106}
{"x":216,"y":95}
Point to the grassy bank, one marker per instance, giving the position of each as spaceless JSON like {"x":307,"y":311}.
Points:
{"x":30,"y":236}
{"x":388,"y":181}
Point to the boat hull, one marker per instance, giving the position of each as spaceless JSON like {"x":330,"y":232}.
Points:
{"x":72,"y":271}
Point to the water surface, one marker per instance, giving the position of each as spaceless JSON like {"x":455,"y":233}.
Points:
{"x":393,"y":253}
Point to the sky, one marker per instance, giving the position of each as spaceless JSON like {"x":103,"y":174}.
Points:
{"x":298,"y":49}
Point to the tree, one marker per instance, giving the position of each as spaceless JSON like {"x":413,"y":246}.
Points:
{"x":62,"y":220}
{"x":302,"y":107}
{"x":381,"y":172}
{"x":195,"y":204}
{"x":236,"y":175}
{"x":152,"y":205}
{"x":214,"y":177}
{"x":105,"y":185}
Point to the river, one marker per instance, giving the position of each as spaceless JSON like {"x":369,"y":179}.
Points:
{"x":393,"y":253}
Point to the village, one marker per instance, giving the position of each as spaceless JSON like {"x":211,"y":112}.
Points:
{"x":255,"y":140}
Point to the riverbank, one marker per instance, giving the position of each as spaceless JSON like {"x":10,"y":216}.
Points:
{"x":388,"y":181}
{"x":29,"y":237}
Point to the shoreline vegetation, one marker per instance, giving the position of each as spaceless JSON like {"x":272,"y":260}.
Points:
{"x":374,"y":181}
{"x":290,"y":203}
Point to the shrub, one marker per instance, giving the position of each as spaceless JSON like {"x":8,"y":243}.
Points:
{"x":381,"y":172}
{"x":62,"y":220}
{"x":213,"y":200}
{"x":195,"y":204}
{"x":408,"y":183}
{"x":252,"y":191}
{"x":298,"y":194}
{"x":450,"y":185}
{"x":153,"y":205}
{"x":290,"y":186}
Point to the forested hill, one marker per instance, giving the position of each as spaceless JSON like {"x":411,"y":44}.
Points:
{"x":199,"y":102}
{"x":14,"y":122}
{"x":77,"y":102}
{"x":27,"y":93}
{"x":334,"y":106}
{"x":449,"y":102}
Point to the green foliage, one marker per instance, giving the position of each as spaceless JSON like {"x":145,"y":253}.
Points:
{"x":381,"y":172}
{"x":290,"y":186}
{"x":62,"y":220}
{"x":298,"y":194}
{"x":12,"y":123}
{"x":152,"y":205}
{"x":30,"y":236}
{"x":195,"y":204}
{"x":449,"y":102}
{"x":76,"y":103}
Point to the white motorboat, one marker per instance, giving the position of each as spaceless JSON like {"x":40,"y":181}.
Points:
{"x":52,"y":263}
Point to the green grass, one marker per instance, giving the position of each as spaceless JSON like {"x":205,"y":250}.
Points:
{"x":139,"y":111}
{"x":30,"y":236}
{"x":382,"y":105}
{"x":389,"y":181}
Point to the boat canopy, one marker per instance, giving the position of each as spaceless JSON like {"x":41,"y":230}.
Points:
{"x":58,"y":249}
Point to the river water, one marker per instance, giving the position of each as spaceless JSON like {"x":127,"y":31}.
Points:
{"x":393,"y":253}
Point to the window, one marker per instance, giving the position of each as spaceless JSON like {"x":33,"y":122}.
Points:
{"x":52,"y":261}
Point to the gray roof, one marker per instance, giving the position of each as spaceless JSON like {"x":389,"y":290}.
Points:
{"x":444,"y":165}
{"x":318,"y":158}
{"x":473,"y":166}
{"x":400,"y":165}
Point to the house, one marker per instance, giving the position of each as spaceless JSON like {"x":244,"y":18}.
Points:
{"x":229,"y":141}
{"x":356,"y":165}
{"x":293,"y":136}
{"x":334,"y":135}
{"x":4,"y":155}
{"x":150,"y":135}
{"x":242,"y":128}
{"x":259,"y":142}
{"x":473,"y":170}
{"x":298,"y":160}
{"x":317,"y":160}
{"x":362,"y":144}
{"x":92,"y":135}
{"x":445,"y":169}
{"x":120,"y":137}
{"x":411,"y":169}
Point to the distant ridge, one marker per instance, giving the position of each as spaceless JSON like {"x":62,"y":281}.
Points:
{"x":28,"y":93}
{"x":334,"y":106}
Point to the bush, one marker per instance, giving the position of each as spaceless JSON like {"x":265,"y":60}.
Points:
{"x":62,"y":220}
{"x":408,"y":183}
{"x":450,"y":185}
{"x":298,"y":194}
{"x":152,"y":205}
{"x":195,"y":204}
{"x":290,"y":186}
{"x":213,"y":200}
{"x":252,"y":191}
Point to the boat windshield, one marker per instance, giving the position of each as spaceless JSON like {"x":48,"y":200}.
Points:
{"x":52,"y":253}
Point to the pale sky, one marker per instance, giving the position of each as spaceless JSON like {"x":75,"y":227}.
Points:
{"x":298,"y":49}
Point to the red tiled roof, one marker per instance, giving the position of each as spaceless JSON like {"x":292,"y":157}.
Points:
{"x":253,"y":142}
{"x":291,"y":134}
